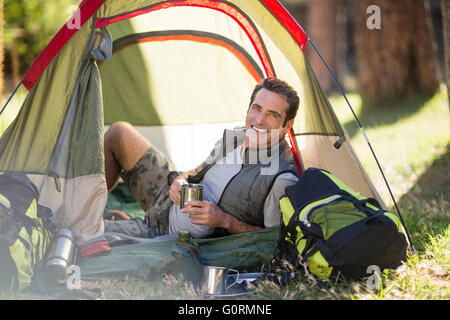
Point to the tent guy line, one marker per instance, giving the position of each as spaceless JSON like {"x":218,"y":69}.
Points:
{"x":338,"y":85}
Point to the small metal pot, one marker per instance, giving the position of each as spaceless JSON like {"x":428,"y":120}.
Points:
{"x":191,"y":192}
{"x":60,"y":255}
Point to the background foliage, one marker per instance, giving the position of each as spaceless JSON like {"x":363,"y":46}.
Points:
{"x":29,"y":25}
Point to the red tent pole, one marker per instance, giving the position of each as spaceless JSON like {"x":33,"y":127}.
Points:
{"x":295,"y":151}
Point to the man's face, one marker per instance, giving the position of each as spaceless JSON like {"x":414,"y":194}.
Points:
{"x":265,"y":119}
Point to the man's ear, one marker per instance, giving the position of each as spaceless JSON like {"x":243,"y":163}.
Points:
{"x":289,"y":125}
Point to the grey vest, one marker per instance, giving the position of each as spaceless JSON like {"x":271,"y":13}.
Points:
{"x":245,"y":194}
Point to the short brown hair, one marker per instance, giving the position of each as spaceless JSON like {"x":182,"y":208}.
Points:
{"x":280,"y":87}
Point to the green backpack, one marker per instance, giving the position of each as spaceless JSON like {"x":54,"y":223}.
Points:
{"x":330,"y":229}
{"x":25,"y":231}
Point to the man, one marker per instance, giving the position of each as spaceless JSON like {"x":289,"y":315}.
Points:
{"x":238,"y":197}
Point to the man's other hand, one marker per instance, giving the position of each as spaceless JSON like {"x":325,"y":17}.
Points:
{"x":175,"y":190}
{"x":205,"y":213}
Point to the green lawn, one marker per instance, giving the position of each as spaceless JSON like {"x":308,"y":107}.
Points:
{"x":11,"y":110}
{"x":411,"y":139}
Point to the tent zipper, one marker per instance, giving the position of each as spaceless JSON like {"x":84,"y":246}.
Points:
{"x":305,"y":217}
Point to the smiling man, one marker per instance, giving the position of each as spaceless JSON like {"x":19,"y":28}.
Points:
{"x":239,"y":196}
{"x":273,"y":107}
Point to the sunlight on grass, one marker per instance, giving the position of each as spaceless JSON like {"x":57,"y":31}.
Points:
{"x":426,"y":276}
{"x":11,"y":110}
{"x":167,"y":287}
{"x":342,"y":110}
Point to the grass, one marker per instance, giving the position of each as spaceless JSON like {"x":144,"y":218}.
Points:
{"x":411,"y":139}
{"x":11,"y":110}
{"x":407,"y":137}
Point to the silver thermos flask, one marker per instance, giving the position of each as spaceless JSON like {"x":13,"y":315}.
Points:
{"x":60,"y":255}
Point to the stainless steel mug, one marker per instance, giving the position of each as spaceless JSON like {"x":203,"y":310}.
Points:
{"x":191,"y":192}
{"x":214,"y":279}
{"x":61,"y":255}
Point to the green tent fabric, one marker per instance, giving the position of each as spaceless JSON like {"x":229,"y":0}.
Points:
{"x":121,"y":199}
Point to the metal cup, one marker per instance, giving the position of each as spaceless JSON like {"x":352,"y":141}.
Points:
{"x":214,"y":279}
{"x":191,"y":192}
{"x":61,"y":255}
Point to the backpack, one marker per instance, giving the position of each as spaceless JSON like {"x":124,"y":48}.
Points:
{"x":330,"y":229}
{"x":25,"y":231}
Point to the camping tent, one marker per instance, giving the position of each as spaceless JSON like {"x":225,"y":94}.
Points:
{"x":181,"y":71}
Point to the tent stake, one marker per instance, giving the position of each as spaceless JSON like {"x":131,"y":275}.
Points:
{"x":367,"y":140}
{"x":10,"y":97}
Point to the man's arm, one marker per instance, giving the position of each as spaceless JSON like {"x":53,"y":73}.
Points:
{"x":209,"y":214}
{"x":234,"y":225}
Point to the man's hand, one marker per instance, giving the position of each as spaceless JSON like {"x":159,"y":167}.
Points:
{"x":205,"y":213}
{"x":175,"y":190}
{"x":208,"y":214}
{"x":175,"y":187}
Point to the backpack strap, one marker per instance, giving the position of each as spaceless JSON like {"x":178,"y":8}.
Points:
{"x":19,"y":190}
{"x":197,"y":178}
{"x":362,"y":204}
{"x":313,"y":185}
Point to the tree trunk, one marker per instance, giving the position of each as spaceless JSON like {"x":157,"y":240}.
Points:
{"x":399,"y":58}
{"x":446,"y":30}
{"x":15,"y":63}
{"x":321,"y":29}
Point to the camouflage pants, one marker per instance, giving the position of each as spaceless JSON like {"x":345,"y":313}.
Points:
{"x":148,"y":182}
